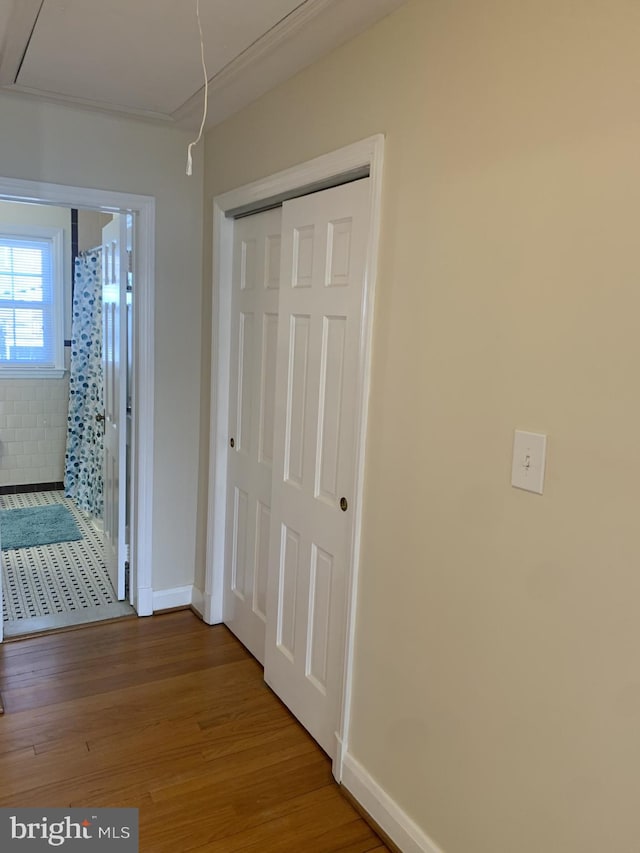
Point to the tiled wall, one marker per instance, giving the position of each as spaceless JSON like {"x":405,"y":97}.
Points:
{"x":33,"y":421}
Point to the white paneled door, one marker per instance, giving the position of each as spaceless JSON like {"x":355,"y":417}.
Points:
{"x":115,"y":265}
{"x":298,"y":277}
{"x":254,"y":327}
{"x":320,"y":310}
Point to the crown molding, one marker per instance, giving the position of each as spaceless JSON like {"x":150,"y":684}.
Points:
{"x":85,"y":103}
{"x":264,"y":46}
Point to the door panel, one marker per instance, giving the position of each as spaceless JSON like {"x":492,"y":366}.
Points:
{"x":254,"y":312}
{"x":324,"y":244}
{"x":115,"y":265}
{"x":268,"y":387}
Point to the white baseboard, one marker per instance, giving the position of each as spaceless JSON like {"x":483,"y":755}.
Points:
{"x":400,"y":828}
{"x":186,"y":596}
{"x":179,"y":596}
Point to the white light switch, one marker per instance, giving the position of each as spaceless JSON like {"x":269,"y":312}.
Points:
{"x":529,"y":452}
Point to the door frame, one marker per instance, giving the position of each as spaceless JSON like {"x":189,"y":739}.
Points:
{"x":359,"y":158}
{"x":107,"y":201}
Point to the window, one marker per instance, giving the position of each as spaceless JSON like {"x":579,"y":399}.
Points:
{"x":31,"y":302}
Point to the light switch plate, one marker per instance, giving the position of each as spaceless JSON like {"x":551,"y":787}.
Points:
{"x":529,"y":456}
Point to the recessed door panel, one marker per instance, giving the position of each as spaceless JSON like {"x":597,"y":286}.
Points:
{"x":299,"y":339}
{"x":249,"y":268}
{"x":319,"y":617}
{"x":268,"y":387}
{"x":288,"y":584}
{"x":334,"y":331}
{"x":272,"y":263}
{"x":263,"y":524}
{"x":239,"y":557}
{"x":339,"y":252}
{"x":246,"y":380}
{"x":303,"y":248}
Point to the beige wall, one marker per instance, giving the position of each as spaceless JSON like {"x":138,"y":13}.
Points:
{"x":61,"y":145}
{"x":497,"y":680}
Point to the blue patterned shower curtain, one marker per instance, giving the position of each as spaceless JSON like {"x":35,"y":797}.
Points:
{"x":83,"y":463}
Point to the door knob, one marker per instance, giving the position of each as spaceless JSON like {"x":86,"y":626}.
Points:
{"x":232,"y":443}
{"x":344,"y":504}
{"x":99,"y":417}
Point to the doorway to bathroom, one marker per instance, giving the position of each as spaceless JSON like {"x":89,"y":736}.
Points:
{"x":57,"y":270}
{"x":54,"y":430}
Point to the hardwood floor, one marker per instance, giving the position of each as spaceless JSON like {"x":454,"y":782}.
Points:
{"x":171,"y":716}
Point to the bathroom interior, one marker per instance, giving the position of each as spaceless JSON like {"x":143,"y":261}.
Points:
{"x":54,"y":573}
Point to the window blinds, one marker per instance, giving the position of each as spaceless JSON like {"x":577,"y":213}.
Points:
{"x":27,"y":336}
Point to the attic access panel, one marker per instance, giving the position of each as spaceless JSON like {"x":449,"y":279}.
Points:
{"x":93,"y":50}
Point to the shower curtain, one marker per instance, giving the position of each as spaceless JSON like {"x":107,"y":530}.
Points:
{"x":83,"y":461}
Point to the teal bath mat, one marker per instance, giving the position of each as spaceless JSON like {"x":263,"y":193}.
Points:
{"x":38,"y":525}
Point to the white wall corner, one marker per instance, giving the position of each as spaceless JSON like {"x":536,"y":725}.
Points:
{"x":400,"y":828}
{"x":179,"y":596}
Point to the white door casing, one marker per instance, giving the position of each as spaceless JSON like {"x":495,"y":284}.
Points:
{"x":254,"y":326}
{"x":111,"y":201}
{"x":324,"y":246}
{"x":114,"y":370}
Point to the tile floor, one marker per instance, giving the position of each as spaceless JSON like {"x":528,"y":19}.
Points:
{"x":55,"y":586}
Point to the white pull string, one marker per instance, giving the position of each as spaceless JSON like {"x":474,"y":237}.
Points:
{"x":206,"y":93}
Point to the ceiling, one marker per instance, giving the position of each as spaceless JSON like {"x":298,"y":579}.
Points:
{"x":142,"y":57}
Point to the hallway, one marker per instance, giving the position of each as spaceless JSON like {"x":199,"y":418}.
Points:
{"x":170,"y":716}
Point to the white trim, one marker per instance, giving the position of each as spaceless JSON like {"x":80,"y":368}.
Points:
{"x":366,"y":343}
{"x":144,"y":601}
{"x":220,"y":360}
{"x":400,"y":828}
{"x":32,"y":372}
{"x":367,"y":153}
{"x":178,"y":596}
{"x":143,"y":433}
{"x":88,"y":104}
{"x":210,"y":612}
{"x":197,"y":601}
{"x":267,"y":44}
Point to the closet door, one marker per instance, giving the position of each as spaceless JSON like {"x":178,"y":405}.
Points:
{"x":254,"y":313}
{"x":324,"y":244}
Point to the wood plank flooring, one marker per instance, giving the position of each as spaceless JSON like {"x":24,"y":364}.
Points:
{"x":171,"y":716}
